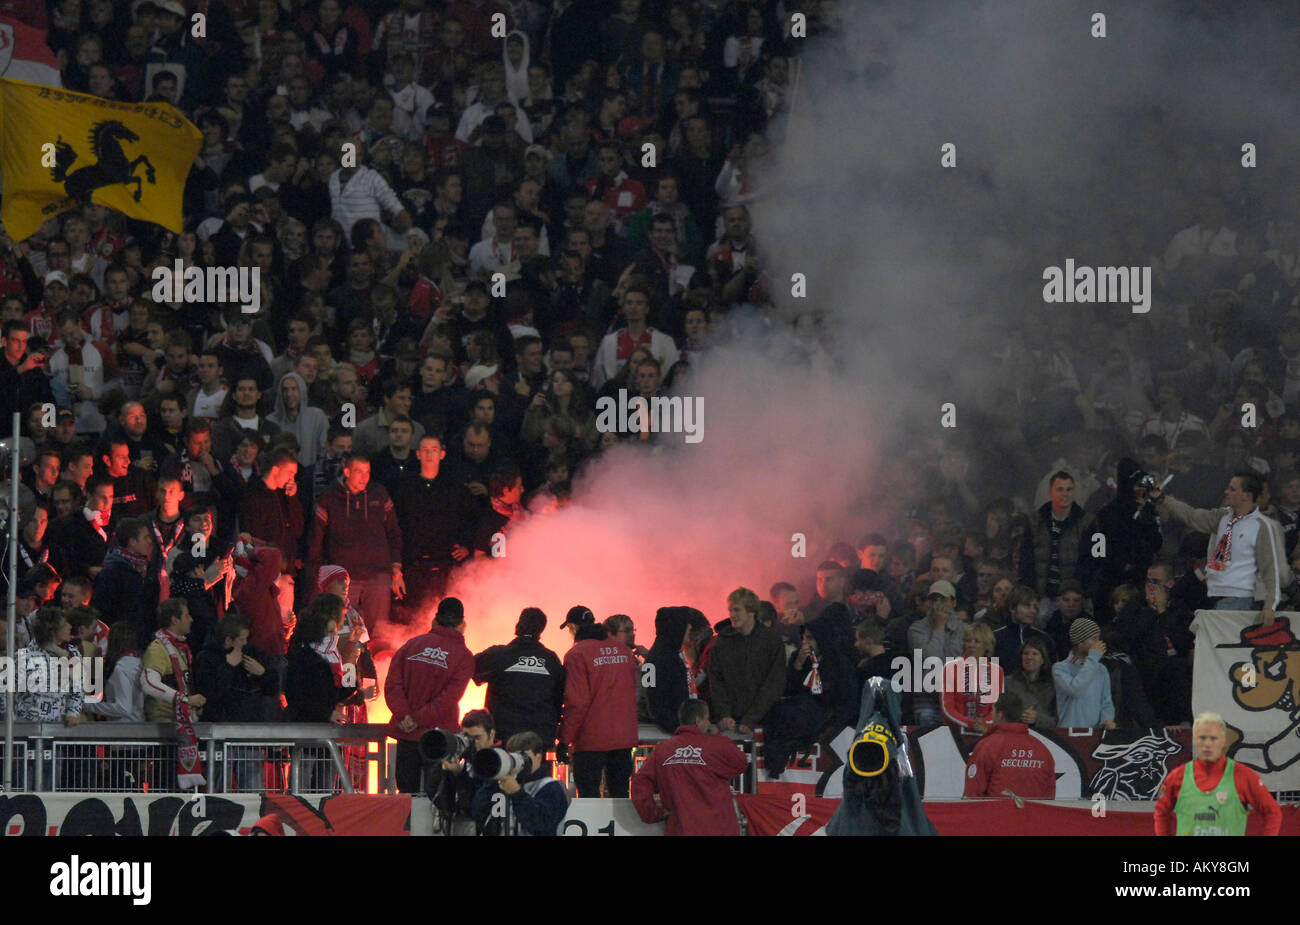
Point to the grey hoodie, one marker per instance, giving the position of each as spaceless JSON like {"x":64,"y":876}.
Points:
{"x":310,"y":427}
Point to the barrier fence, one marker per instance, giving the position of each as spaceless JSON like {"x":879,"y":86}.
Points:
{"x":253,"y":758}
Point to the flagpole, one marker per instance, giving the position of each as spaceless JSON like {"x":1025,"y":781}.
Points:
{"x":13,"y":601}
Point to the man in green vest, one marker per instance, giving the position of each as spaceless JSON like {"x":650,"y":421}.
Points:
{"x":1212,"y":794}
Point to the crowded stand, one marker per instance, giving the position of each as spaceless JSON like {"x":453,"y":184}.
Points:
{"x":460,"y":251}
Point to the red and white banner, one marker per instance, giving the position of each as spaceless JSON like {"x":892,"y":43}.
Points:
{"x":183,"y":814}
{"x":773,"y":814}
{"x":24,"y":54}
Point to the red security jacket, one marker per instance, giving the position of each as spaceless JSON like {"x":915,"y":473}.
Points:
{"x":1009,"y":758}
{"x":599,"y":696}
{"x":691,"y":773}
{"x":426,"y":679}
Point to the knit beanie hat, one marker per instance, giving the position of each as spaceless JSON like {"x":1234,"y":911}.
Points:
{"x":1083,"y":629}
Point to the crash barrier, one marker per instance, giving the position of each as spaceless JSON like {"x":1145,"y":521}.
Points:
{"x":109,"y":814}
{"x":297,"y":758}
{"x":237,"y":757}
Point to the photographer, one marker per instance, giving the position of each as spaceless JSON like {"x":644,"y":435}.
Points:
{"x":452,"y":786}
{"x":534,"y":803}
{"x":1132,"y":530}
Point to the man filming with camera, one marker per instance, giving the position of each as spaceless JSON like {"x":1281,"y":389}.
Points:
{"x":1132,"y":530}
{"x":1247,"y":560}
{"x":517,"y":798}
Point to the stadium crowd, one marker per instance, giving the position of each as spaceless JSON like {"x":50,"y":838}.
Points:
{"x":437,"y":322}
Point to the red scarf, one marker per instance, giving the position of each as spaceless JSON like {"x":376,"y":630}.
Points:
{"x":139,"y":563}
{"x":328,"y":649}
{"x":177,"y":528}
{"x":1223,"y":552}
{"x":691,"y":688}
{"x":189,"y":767}
{"x":813,"y":681}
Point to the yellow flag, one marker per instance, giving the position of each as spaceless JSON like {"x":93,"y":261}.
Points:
{"x":59,"y":148}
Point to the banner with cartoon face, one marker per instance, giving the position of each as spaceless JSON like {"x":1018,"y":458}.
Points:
{"x":1249,"y":675}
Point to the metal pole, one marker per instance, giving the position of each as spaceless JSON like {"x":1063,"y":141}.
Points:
{"x":13,"y":602}
{"x":340,"y":766}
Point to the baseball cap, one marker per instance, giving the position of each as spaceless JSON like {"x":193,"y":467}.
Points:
{"x":578,"y":615}
{"x":477,"y":373}
{"x":941,"y":587}
{"x":56,"y":276}
{"x":537,"y":149}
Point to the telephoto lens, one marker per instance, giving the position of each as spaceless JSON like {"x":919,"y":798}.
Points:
{"x":439,"y":745}
{"x":496,"y":763}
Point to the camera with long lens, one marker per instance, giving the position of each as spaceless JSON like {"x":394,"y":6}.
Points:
{"x":496,"y":763}
{"x":441,"y":745}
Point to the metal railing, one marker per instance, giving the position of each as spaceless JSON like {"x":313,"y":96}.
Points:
{"x":237,"y":757}
{"x":108,"y":757}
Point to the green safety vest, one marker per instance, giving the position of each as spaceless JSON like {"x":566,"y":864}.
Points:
{"x":1219,"y":812}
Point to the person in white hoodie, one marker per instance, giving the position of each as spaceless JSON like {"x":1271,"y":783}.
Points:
{"x":514,"y":55}
{"x":307,"y":423}
{"x":123,"y":696}
{"x":77,"y":374}
{"x":1246,"y":557}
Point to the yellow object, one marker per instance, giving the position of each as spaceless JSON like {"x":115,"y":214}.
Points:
{"x":59,"y":148}
{"x":864,"y":760}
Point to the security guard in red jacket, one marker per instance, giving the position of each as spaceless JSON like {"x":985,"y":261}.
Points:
{"x":691,"y":773}
{"x":1010,"y":761}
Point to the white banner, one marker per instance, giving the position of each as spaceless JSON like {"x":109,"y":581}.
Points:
{"x":606,"y":817}
{"x":1249,"y":675}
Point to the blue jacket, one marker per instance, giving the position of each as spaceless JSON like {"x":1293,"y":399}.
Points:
{"x":537,"y":808}
{"x":1083,"y":692}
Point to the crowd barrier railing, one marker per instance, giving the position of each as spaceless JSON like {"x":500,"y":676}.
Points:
{"x":238,"y":757}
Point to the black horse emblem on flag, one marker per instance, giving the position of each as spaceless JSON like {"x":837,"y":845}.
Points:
{"x":112,"y":167}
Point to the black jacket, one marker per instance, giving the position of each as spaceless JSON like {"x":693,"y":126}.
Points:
{"x":1132,"y":538}
{"x":309,"y":687}
{"x":1075,"y":549}
{"x":670,"y":688}
{"x":75,"y":547}
{"x":525,"y":687}
{"x":233,"y":695}
{"x":434,"y":515}
{"x":122,"y":593}
{"x":746,"y":673}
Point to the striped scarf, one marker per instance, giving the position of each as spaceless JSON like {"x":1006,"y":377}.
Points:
{"x":328,"y":649}
{"x":189,"y":767}
{"x":1223,"y":552}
